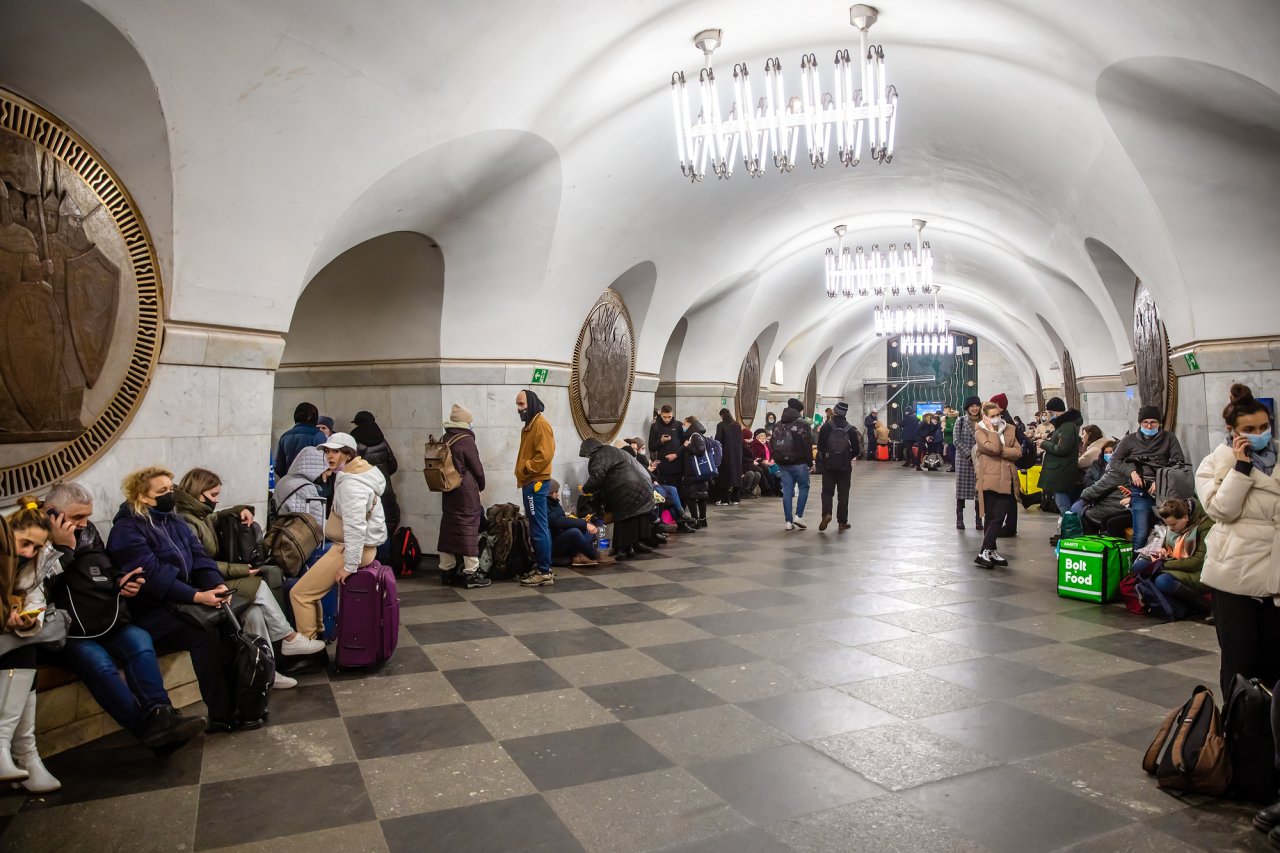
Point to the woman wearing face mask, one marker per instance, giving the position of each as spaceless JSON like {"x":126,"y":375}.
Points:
{"x":146,"y":532}
{"x":1240,"y":488}
{"x":966,"y":477}
{"x":197,"y":500}
{"x":997,"y":478}
{"x":1102,"y":505}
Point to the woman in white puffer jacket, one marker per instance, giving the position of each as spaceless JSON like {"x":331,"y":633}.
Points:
{"x":1239,"y":487}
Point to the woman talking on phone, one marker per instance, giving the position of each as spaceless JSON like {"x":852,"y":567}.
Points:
{"x":178,"y":573}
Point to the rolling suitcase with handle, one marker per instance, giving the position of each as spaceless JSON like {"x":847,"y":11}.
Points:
{"x":368,"y":617}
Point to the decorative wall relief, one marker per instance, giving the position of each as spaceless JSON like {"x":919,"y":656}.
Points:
{"x":1157,"y":383}
{"x":810,"y":399}
{"x":80,"y":300}
{"x":604,"y":369}
{"x":748,"y":398}
{"x":1070,"y":389}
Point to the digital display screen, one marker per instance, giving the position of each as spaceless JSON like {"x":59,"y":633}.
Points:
{"x":934,"y":408}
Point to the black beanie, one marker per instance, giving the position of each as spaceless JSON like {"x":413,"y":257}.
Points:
{"x":972,"y":401}
{"x":1149,"y":413}
{"x":842,"y":408}
{"x":1055,"y":404}
{"x":794,"y":403}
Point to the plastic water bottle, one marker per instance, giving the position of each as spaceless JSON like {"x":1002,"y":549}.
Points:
{"x":271,"y":472}
{"x":565,"y":493}
{"x":602,"y":537}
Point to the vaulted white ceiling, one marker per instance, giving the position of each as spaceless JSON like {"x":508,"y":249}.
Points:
{"x":1048,"y":145}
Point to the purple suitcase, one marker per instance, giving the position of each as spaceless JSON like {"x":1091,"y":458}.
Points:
{"x":368,"y":617}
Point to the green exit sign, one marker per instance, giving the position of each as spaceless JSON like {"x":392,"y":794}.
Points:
{"x":540,"y":376}
{"x":1192,"y":364}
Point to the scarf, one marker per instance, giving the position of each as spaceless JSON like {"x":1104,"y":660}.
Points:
{"x":1264,"y":460}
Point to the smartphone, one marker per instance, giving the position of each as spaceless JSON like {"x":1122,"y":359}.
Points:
{"x":226,"y":593}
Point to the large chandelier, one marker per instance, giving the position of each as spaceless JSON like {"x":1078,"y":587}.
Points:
{"x":862,"y":273}
{"x":923,"y":319}
{"x":927,"y":344}
{"x":833,"y":122}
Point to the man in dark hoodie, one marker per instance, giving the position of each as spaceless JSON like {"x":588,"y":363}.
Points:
{"x":303,"y":433}
{"x":792,"y":448}
{"x":909,"y":430}
{"x":837,"y":449}
{"x":869,"y":423}
{"x":533,"y":473}
{"x":1148,"y":450}
{"x":1060,"y":473}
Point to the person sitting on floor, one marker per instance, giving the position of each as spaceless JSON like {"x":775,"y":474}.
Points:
{"x":570,"y":536}
{"x":102,"y":641}
{"x":626,"y":492}
{"x":1103,"y":504}
{"x":1181,"y":554}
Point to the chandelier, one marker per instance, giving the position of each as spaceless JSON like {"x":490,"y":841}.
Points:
{"x":834,"y":122}
{"x":923,"y":319}
{"x":927,"y":344}
{"x":862,"y":273}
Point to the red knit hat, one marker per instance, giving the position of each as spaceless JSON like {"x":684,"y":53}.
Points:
{"x":1001,"y":400}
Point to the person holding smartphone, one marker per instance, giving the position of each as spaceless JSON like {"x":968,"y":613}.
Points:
{"x":1148,"y":450}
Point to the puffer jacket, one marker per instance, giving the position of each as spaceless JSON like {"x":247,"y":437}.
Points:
{"x":615,"y":476}
{"x":1244,"y":546}
{"x":1109,"y":488}
{"x":297,"y":491}
{"x":204,"y":524}
{"x":1091,"y":454}
{"x":29,"y":584}
{"x":1061,"y":466}
{"x":173,"y":562}
{"x":994,"y":469}
{"x":357,"y":503}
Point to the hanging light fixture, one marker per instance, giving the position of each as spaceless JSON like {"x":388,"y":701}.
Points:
{"x":834,"y":123}
{"x":924,"y":344}
{"x":861,"y":273}
{"x":928,"y":319}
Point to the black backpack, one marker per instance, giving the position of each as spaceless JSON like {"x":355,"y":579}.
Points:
{"x":405,"y":552}
{"x":1246,"y":724}
{"x":520,"y":559}
{"x":839,"y":452}
{"x":784,"y":444}
{"x":254,"y":668}
{"x":238,"y":543}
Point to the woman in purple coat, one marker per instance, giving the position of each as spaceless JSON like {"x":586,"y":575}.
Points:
{"x":462,"y":508}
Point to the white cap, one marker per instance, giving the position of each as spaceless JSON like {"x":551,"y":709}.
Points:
{"x":339,"y":440}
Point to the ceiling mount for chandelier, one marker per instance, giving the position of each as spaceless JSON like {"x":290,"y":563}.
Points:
{"x":834,"y":122}
{"x":861,"y":273}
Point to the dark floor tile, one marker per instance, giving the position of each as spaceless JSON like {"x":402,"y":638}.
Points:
{"x":523,"y":823}
{"x":1141,"y":648}
{"x":281,"y":804}
{"x":782,"y":782}
{"x":1008,"y":809}
{"x":996,"y":678}
{"x":455,"y":632}
{"x":1155,"y":685}
{"x":989,"y":610}
{"x":757,"y":599}
{"x":567,"y":583}
{"x":1111,"y":616}
{"x":992,"y":639}
{"x":651,"y":697}
{"x":515,"y":604}
{"x":1004,"y":732}
{"x":690,"y":573}
{"x":406,"y":661}
{"x":437,"y":595}
{"x":577,"y":641}
{"x":658,"y":591}
{"x":725,"y":559}
{"x":784,"y":579}
{"x":1218,"y":825}
{"x":580,"y":756}
{"x":508,"y":679}
{"x":302,"y":704}
{"x":414,"y":730}
{"x":818,"y":713}
{"x":699,"y":654}
{"x":737,"y":622}
{"x":620,"y":614}
{"x":1139,"y":739}
{"x":118,"y":765}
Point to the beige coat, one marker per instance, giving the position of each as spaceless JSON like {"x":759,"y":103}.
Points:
{"x":994,"y":466}
{"x":1090,"y":454}
{"x":1244,"y":544}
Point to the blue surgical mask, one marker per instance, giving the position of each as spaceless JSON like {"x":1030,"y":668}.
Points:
{"x":1106,"y":457}
{"x":1148,"y":432}
{"x":1260,"y":442}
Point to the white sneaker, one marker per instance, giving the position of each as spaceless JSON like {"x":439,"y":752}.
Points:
{"x":301,"y":645}
{"x":800,"y":525}
{"x":997,"y":559}
{"x":284,"y":682}
{"x":789,"y":526}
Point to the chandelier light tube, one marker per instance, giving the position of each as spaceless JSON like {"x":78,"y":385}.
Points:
{"x":858,"y":272}
{"x":834,"y":123}
{"x":921,"y":344}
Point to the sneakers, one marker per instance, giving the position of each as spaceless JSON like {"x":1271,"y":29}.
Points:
{"x":788,"y":526}
{"x":826,"y":520}
{"x":475,"y":580}
{"x":984,"y":560}
{"x":998,"y":560}
{"x":538,"y":579}
{"x":799,"y":523}
{"x":301,"y":645}
{"x":283,"y":682}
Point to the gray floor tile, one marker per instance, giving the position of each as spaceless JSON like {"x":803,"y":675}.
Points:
{"x":692,"y":736}
{"x":114,"y":823}
{"x":1004,"y":732}
{"x":651,"y":697}
{"x":997,"y":678}
{"x":744,"y":682}
{"x":522,"y":823}
{"x":901,"y":756}
{"x":913,"y":695}
{"x":886,"y":824}
{"x":402,"y":785}
{"x":818,"y":713}
{"x":566,"y":759}
{"x":699,"y":654}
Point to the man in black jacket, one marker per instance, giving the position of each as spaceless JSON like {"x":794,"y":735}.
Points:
{"x":837,"y":450}
{"x":792,"y":448}
{"x":1148,"y":450}
{"x":666,"y":447}
{"x":93,"y":593}
{"x":869,"y":423}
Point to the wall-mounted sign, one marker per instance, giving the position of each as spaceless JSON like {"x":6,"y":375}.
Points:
{"x":540,"y":376}
{"x":1192,"y":364}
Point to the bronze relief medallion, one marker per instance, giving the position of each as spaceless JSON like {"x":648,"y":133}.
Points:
{"x":80,"y":301}
{"x":748,"y":398}
{"x":604,"y":369}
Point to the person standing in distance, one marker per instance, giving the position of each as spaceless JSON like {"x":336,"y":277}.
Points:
{"x":837,"y":451}
{"x":869,"y":422}
{"x":533,"y":472}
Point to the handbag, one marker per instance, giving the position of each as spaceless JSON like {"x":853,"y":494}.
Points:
{"x":52,"y":633}
{"x":208,"y":618}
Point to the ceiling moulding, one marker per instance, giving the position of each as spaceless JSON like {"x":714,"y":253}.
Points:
{"x":433,"y":371}
{"x":1100,"y":384}
{"x":1227,"y":356}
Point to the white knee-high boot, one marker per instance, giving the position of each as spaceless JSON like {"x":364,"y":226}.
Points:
{"x":14,"y":686}
{"x":39,"y":780}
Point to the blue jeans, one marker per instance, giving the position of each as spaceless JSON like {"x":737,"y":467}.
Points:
{"x":1063,"y":500}
{"x":673,"y":498}
{"x":574,"y":541}
{"x":792,"y":476}
{"x":535,"y":509}
{"x":1143,"y":508}
{"x":129,"y":701}
{"x":1078,"y":507}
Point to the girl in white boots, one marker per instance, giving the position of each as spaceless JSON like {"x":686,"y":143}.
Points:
{"x":27,"y":557}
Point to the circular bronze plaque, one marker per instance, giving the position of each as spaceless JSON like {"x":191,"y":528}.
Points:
{"x":748,"y":398}
{"x":604,"y":369}
{"x":80,"y":301}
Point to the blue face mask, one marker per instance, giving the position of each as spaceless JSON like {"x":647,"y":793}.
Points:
{"x":1259,"y":442}
{"x":1106,"y":457}
{"x":1148,"y":432}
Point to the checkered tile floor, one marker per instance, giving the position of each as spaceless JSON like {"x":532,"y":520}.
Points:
{"x":748,"y":689}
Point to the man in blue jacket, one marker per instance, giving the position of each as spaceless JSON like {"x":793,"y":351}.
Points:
{"x":303,"y":433}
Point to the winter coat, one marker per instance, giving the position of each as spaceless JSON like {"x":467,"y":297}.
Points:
{"x":929,"y":433}
{"x":825,"y":433}
{"x":995,"y":471}
{"x":665,"y":439}
{"x":801,"y":437}
{"x":297,"y":491}
{"x":882,"y":433}
{"x":537,"y":448}
{"x":1091,"y":454}
{"x":760,"y":451}
{"x":381,"y":456}
{"x":29,"y":585}
{"x":173,"y":563}
{"x":615,"y":476}
{"x":870,"y":423}
{"x":1189,"y":568}
{"x":357,"y":504}
{"x":1060,"y":471}
{"x":1148,"y":455}
{"x":559,"y":521}
{"x":729,"y":434}
{"x":949,"y":429}
{"x":697,"y":490}
{"x":909,"y":428}
{"x":291,"y":443}
{"x":1244,"y":546}
{"x":966,"y":476}
{"x":462,"y":508}
{"x":203,"y":523}
{"x":1109,"y":488}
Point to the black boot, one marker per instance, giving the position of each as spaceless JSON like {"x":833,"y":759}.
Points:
{"x":1268,"y":819}
{"x":959,"y":515}
{"x":1196,"y":606}
{"x":165,"y":729}
{"x":977,"y":519}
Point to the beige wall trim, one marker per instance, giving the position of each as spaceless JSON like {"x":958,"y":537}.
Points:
{"x":1100,"y":384}
{"x":216,"y":346}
